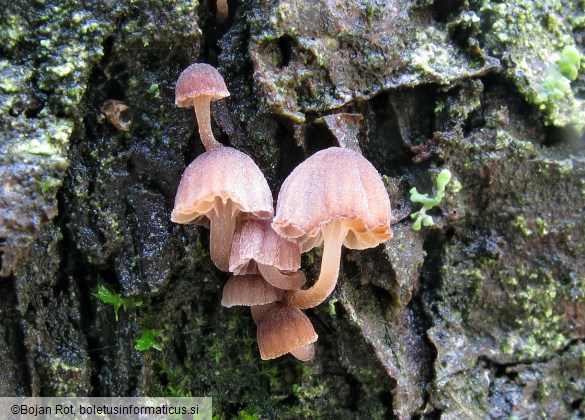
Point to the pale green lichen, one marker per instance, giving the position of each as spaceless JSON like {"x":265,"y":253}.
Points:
{"x":557,"y":82}
{"x":428,"y":203}
{"x":570,"y":62}
{"x":521,"y":224}
{"x":535,"y":41}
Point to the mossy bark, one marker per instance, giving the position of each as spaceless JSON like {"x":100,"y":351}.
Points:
{"x":480,"y":315}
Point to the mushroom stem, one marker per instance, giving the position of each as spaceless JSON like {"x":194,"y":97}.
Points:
{"x":258,"y":311}
{"x":222,"y":225}
{"x":290,"y":281}
{"x":305,"y":353}
{"x":333,"y":235}
{"x":202,"y":106}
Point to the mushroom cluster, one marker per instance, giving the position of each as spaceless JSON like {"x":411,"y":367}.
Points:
{"x":335,"y":197}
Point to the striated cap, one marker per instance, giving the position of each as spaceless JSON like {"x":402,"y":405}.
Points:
{"x":284,"y":329}
{"x":216,"y":188}
{"x":257,"y":247}
{"x":217,"y":177}
{"x":334,"y":184}
{"x":249,"y":290}
{"x":199,"y":79}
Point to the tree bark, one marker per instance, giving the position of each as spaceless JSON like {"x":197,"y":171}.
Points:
{"x":480,"y":315}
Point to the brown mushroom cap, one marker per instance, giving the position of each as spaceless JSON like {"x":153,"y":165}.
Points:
{"x":199,"y":79}
{"x":257,"y":247}
{"x":249,"y":290}
{"x":334,"y":184}
{"x":284,"y":329}
{"x":336,"y":196}
{"x":215,"y":189}
{"x":197,"y":86}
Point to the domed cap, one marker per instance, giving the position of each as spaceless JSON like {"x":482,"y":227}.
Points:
{"x":220,"y":176}
{"x":334,"y":184}
{"x":337,"y":197}
{"x":284,"y":329}
{"x":215,"y":189}
{"x":249,"y":290}
{"x":257,"y":247}
{"x":199,"y":79}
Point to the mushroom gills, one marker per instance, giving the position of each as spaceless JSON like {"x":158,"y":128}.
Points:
{"x":291,"y":281}
{"x":249,"y":290}
{"x":222,"y":225}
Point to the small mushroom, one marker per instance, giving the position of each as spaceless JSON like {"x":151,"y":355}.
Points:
{"x":197,"y":86}
{"x":249,"y":290}
{"x":335,"y":197}
{"x":215,"y":189}
{"x":257,"y":247}
{"x":222,"y":10}
{"x":284,"y":329}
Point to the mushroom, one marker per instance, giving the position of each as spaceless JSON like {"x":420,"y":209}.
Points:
{"x":215,"y":189}
{"x":222,"y":10}
{"x":257,"y":247}
{"x":285,"y":329}
{"x":305,"y":353}
{"x":249,"y":290}
{"x":197,"y":86}
{"x":258,"y":311}
{"x":335,"y":197}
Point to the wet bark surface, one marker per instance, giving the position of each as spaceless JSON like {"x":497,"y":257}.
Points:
{"x":480,"y":315}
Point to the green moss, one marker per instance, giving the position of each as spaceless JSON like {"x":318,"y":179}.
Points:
{"x":116,"y":300}
{"x":149,"y":339}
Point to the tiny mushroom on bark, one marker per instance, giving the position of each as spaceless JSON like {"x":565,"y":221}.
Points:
{"x":336,"y":197}
{"x":249,"y":290}
{"x":285,"y":329}
{"x":222,"y":10}
{"x":197,"y":86}
{"x":258,"y":248}
{"x":215,"y":189}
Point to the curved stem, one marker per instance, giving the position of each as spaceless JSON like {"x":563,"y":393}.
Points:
{"x":290,"y":281}
{"x":222,"y":225}
{"x":202,"y":106}
{"x":333,"y":236}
